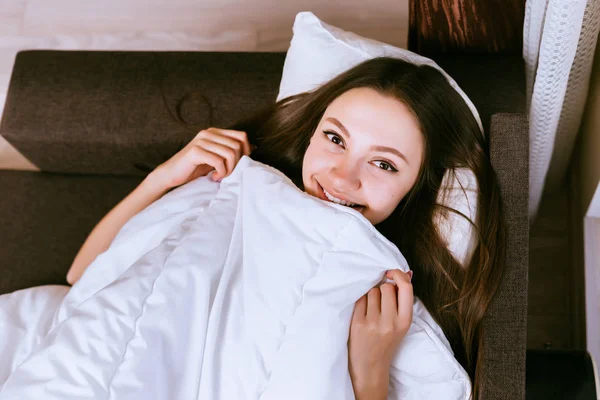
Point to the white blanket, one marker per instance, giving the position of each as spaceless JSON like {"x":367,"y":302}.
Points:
{"x":238,"y":290}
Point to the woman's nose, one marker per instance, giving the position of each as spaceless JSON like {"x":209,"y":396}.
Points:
{"x":345,"y":177}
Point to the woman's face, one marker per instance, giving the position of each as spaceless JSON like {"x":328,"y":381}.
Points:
{"x":366,"y":153}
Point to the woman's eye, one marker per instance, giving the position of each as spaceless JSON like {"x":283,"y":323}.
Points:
{"x":385,"y":166}
{"x":334,"y":137}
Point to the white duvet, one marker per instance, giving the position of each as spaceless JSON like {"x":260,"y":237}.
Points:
{"x":238,"y":290}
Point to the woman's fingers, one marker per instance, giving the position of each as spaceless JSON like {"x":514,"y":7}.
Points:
{"x":374,"y":302}
{"x":241,"y":137}
{"x":202,"y":156}
{"x":225,"y":141}
{"x":389,"y":306}
{"x":360,"y":309}
{"x":405,"y":303}
{"x":228,"y":154}
{"x":229,"y":144}
{"x":213,"y":148}
{"x":398,"y":276}
{"x":404,"y":295}
{"x":388,"y":302}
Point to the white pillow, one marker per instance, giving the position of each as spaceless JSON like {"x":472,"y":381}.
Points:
{"x":319,"y":52}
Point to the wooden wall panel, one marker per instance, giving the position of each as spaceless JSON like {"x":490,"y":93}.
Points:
{"x":466,"y":26}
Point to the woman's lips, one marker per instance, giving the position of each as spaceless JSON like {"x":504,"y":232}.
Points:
{"x":321,"y":195}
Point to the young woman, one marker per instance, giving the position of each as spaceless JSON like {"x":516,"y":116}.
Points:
{"x":378,"y":138}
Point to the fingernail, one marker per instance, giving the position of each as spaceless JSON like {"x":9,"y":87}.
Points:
{"x":410,"y":274}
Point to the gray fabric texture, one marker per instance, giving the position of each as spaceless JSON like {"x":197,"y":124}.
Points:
{"x":45,"y":220}
{"x":126,"y":112}
{"x":494,"y":83}
{"x":82,"y":114}
{"x":505,"y":325}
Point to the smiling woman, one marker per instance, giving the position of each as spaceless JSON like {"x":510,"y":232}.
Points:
{"x":380,"y":138}
{"x":383,"y":155}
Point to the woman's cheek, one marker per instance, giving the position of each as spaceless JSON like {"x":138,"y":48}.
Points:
{"x":389,"y":199}
{"x":314,"y":159}
{"x":324,"y":159}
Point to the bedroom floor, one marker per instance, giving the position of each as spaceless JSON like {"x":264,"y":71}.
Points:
{"x":556,"y":308}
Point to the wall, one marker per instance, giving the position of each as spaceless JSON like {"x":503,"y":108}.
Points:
{"x":586,"y":165}
{"x":588,"y":146}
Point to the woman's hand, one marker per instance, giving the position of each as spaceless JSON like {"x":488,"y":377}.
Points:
{"x":380,"y":321}
{"x":211,"y":149}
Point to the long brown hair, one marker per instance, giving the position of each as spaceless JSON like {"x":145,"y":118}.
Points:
{"x":457,"y":296}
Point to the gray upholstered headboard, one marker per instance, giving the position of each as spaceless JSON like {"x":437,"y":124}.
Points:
{"x":117,"y":112}
{"x":120,"y":112}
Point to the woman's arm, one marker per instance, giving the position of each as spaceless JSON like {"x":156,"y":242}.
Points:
{"x":213,"y":148}
{"x":380,"y":321}
{"x":374,"y":387}
{"x":150,"y":190}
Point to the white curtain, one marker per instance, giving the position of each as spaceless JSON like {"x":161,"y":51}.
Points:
{"x":559,"y":39}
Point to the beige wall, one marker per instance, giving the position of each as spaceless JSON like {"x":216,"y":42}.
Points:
{"x":587,"y":155}
{"x":586,"y":168}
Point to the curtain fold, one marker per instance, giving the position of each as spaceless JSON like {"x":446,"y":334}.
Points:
{"x":559,"y":40}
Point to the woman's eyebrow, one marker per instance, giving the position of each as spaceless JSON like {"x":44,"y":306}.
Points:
{"x":383,"y":149}
{"x":339,"y":125}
